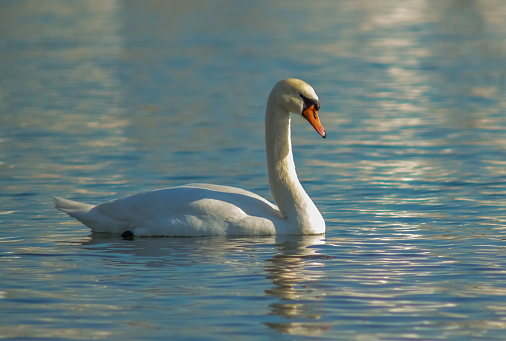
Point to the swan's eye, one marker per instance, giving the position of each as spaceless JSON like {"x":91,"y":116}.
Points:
{"x":308,"y":102}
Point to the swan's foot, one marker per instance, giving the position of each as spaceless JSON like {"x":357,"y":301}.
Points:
{"x":128,"y":235}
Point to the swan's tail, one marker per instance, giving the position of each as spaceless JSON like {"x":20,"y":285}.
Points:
{"x":76,"y":210}
{"x":72,"y":208}
{"x":91,"y":216}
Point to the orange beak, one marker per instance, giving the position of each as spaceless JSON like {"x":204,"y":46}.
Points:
{"x":311,"y":114}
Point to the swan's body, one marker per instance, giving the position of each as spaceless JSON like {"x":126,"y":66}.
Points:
{"x":203,"y":209}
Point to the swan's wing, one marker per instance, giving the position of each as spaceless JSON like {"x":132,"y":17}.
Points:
{"x":187,"y":210}
{"x":233,"y":193}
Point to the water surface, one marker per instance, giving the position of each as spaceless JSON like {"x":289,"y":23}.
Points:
{"x":105,"y":99}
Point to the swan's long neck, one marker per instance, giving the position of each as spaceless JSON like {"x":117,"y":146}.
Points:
{"x":293,"y":202}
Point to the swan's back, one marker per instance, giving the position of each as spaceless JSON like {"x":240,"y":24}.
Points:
{"x":191,"y":210}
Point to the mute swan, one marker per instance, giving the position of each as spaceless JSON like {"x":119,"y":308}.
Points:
{"x":203,"y":209}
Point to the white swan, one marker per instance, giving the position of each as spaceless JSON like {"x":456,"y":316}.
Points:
{"x":203,"y":209}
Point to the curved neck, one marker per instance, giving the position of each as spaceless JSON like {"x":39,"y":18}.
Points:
{"x":293,"y":202}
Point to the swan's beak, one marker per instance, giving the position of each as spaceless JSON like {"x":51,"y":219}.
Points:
{"x":311,"y":114}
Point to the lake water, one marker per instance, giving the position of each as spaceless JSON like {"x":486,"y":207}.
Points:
{"x":101,"y":99}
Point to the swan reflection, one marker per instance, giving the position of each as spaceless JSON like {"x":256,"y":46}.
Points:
{"x":291,"y":264}
{"x":295,"y":273}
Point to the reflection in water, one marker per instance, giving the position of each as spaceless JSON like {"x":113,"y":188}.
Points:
{"x":180,"y":251}
{"x":427,"y":146}
{"x":295,"y":271}
{"x":59,"y":91}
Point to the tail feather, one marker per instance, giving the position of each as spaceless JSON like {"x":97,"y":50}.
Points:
{"x":91,"y":216}
{"x":73,"y":208}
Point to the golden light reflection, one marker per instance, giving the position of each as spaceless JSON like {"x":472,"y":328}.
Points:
{"x":394,"y":13}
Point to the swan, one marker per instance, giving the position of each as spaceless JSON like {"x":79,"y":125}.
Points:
{"x":205,"y":209}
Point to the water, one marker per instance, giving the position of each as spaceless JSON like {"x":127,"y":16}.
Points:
{"x":100,"y":99}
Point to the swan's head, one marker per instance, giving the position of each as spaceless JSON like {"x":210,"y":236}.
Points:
{"x":298,"y":97}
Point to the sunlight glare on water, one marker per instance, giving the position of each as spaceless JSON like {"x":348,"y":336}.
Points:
{"x":102,"y":99}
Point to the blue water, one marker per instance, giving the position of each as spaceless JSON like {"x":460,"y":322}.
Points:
{"x":101,"y":99}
